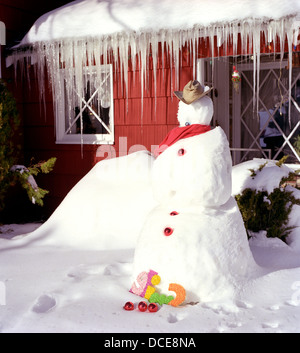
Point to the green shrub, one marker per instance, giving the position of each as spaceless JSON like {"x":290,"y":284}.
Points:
{"x":9,"y":123}
{"x":10,"y":173}
{"x":267,"y":211}
{"x":25,"y":176}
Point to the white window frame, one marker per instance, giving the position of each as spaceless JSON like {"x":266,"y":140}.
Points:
{"x":93,"y":139}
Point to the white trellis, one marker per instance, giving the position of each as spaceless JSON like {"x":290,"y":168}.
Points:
{"x":255,"y":137}
{"x":100,"y":90}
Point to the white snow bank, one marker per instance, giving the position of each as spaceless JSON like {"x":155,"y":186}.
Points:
{"x":85,"y":18}
{"x":265,"y":179}
{"x":106,"y":209}
{"x":69,"y":288}
{"x":72,"y":290}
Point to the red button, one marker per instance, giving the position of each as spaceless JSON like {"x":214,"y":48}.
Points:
{"x":181,"y":152}
{"x":168,"y":231}
{"x":174,"y":213}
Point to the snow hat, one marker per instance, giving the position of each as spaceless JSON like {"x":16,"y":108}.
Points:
{"x":192,"y":91}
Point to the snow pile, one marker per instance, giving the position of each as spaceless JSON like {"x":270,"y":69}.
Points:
{"x":115,"y":189}
{"x":58,"y":285}
{"x":259,"y":174}
{"x":81,"y":18}
{"x":267,"y":179}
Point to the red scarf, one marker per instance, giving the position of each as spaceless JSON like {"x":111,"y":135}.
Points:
{"x":179,"y":133}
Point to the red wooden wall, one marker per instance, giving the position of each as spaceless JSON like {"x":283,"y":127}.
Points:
{"x":142,"y":131}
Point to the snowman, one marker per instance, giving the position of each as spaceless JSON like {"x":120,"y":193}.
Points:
{"x":193,"y":243}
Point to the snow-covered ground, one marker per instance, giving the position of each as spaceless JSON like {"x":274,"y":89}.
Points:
{"x":49,"y":283}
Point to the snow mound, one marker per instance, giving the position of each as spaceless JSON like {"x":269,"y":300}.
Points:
{"x":74,"y":289}
{"x":266,"y":179}
{"x":105,"y":209}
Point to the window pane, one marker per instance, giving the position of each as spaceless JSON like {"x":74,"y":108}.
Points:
{"x":91,"y":115}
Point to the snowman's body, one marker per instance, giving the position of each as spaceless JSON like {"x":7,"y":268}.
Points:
{"x":196,"y":236}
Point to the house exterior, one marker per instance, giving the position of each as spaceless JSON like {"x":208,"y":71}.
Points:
{"x":90,"y":90}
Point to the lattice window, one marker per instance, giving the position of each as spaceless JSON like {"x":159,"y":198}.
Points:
{"x":87,"y":116}
{"x":279,"y":119}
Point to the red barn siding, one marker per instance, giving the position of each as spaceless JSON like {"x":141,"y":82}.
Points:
{"x":138,"y":124}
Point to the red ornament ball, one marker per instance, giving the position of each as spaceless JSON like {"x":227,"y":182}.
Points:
{"x":129,"y":306}
{"x":153,"y":308}
{"x":168,"y":231}
{"x":142,"y":306}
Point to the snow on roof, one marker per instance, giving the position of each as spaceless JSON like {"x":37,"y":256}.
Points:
{"x":87,"y":33}
{"x":84,"y":18}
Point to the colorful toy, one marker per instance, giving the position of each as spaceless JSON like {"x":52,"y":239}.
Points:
{"x":160,"y":298}
{"x":145,"y":280}
{"x":180,"y":294}
{"x":144,"y":287}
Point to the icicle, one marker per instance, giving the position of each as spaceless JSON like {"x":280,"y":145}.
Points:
{"x":195,"y":51}
{"x":176,"y":48}
{"x":65,"y":61}
{"x":256,"y":63}
{"x":154,"y":51}
{"x":212,"y":48}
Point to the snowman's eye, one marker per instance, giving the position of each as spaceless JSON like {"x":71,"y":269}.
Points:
{"x":187,"y":123}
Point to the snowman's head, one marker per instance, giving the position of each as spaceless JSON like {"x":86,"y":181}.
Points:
{"x":198,"y":112}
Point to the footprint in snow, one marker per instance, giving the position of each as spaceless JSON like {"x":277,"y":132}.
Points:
{"x":44,"y":303}
{"x":243,"y":304}
{"x":118,"y":269}
{"x":173,"y":318}
{"x":292,"y":302}
{"x":83,"y":271}
{"x":270,"y":325}
{"x":274,"y":307}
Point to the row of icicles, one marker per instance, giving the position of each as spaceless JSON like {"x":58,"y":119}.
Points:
{"x":66,"y":60}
